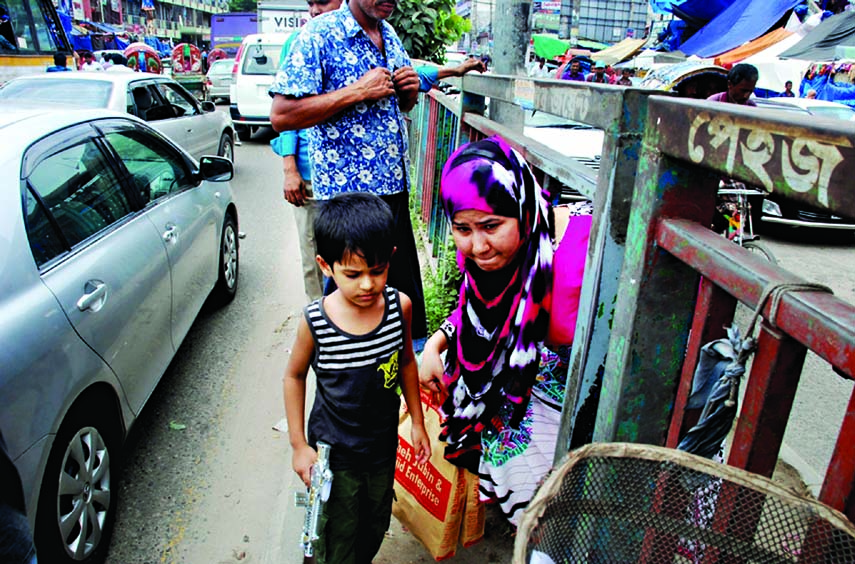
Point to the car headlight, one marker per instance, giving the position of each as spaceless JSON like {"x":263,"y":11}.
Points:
{"x":771,"y":208}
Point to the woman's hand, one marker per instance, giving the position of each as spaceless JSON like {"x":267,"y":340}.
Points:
{"x":432,"y":368}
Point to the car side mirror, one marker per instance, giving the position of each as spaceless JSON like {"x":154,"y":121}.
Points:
{"x":216,"y":169}
{"x":208,"y":106}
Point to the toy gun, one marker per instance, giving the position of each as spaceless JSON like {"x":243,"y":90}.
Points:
{"x":315,"y":498}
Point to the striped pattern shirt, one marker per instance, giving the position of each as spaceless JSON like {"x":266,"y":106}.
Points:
{"x":356,"y":404}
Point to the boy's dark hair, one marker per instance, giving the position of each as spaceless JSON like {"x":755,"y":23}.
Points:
{"x":59,"y":59}
{"x":358,"y":223}
{"x":743,"y":71}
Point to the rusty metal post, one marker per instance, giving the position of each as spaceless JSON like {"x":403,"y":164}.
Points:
{"x":654,"y":309}
{"x":613,"y":201}
{"x":511,"y":35}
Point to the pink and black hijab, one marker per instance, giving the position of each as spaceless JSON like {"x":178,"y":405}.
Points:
{"x":492,"y":361}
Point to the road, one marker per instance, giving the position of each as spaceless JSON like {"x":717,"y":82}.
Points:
{"x":207,"y":479}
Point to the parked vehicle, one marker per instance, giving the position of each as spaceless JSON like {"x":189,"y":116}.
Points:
{"x":822,"y":108}
{"x":218,"y":81}
{"x":170,"y":108}
{"x":112,"y":240}
{"x":254,"y":69}
{"x":776,"y":211}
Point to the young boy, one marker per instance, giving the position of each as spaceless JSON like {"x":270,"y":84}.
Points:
{"x":358,"y":342}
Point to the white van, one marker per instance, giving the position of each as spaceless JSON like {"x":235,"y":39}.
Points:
{"x":255,"y":67}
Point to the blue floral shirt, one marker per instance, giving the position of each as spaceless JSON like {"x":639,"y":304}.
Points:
{"x":364,"y":148}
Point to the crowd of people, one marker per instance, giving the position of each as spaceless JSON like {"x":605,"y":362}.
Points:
{"x":499,"y":363}
{"x":112,"y":62}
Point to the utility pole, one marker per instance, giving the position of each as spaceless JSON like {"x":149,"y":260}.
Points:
{"x":511,"y":36}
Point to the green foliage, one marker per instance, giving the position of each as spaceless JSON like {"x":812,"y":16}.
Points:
{"x":426,"y":27}
{"x":442,"y":288}
{"x":243,"y":6}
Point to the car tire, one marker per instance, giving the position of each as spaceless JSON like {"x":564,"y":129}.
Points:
{"x":85,"y":460}
{"x":244,"y":133}
{"x":229,"y":264}
{"x":227,"y":147}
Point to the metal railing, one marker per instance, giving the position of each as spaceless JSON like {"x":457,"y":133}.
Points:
{"x":655,"y":272}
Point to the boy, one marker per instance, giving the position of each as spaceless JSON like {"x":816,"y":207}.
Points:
{"x":358,"y":342}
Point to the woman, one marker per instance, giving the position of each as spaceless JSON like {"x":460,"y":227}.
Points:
{"x":508,"y":341}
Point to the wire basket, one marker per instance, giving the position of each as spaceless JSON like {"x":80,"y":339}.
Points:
{"x":629,"y":503}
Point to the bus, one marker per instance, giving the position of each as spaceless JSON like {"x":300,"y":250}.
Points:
{"x":30,"y":34}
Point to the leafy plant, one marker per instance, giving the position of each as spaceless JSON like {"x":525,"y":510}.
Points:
{"x":426,"y":27}
{"x":243,"y":6}
{"x":442,"y":288}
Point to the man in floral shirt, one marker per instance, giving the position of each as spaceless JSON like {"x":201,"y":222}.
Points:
{"x":349,"y":76}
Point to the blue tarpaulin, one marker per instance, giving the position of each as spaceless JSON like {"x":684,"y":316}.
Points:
{"x":743,"y":21}
{"x":827,"y":89}
{"x":693,"y":10}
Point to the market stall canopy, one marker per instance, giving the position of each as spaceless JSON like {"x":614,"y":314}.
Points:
{"x":591,"y":45}
{"x":620,"y":51}
{"x":743,"y":21}
{"x":774,"y":71}
{"x":696,"y":12}
{"x":548,"y":46}
{"x":820,"y":44}
{"x":649,"y":59}
{"x":742,"y":52}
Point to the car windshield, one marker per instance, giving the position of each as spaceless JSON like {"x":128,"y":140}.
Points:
{"x":222,"y":67}
{"x":87,"y":93}
{"x":262,"y":59}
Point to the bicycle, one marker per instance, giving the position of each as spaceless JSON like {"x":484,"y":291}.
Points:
{"x":739,"y":219}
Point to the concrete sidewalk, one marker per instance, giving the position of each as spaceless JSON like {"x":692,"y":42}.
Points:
{"x":497,"y":546}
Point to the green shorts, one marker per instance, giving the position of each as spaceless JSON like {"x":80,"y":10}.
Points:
{"x":356,"y":516}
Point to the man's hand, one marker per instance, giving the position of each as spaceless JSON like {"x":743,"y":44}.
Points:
{"x":406,"y":82}
{"x":294,"y":189}
{"x":376,"y":84}
{"x":471,"y":64}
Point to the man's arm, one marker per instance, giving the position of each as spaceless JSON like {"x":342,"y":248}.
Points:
{"x":288,"y":112}
{"x":469,"y":64}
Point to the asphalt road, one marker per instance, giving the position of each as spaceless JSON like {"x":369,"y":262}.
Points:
{"x":208,"y":480}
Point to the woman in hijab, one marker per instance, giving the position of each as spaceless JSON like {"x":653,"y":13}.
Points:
{"x":508,"y":341}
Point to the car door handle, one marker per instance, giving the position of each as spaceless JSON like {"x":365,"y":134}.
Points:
{"x":95,"y":296}
{"x":171,"y":233}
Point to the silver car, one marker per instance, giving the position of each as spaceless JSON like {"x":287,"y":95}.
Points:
{"x":112,"y":238}
{"x":166,"y":105}
{"x":219,"y":80}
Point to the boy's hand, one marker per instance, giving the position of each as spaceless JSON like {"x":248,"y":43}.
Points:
{"x":421,"y":443}
{"x":302,"y":460}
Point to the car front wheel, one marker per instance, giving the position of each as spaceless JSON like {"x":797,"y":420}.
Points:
{"x":77,"y":504}
{"x":227,"y":147}
{"x":227,"y":283}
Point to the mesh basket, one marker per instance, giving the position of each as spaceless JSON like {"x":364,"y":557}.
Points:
{"x":615,"y":502}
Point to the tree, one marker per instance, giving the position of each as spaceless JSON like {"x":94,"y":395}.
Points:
{"x":427,"y":27}
{"x":243,"y":6}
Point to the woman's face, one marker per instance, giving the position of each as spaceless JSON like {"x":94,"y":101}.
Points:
{"x":490,"y":241}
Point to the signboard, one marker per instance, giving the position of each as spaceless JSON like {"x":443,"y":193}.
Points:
{"x":272,"y":20}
